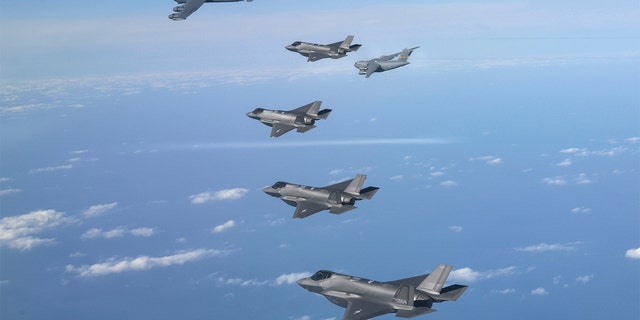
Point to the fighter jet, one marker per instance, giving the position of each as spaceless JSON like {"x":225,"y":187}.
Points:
{"x":187,"y":7}
{"x":384,"y":63}
{"x":316,"y":51}
{"x":365,"y":299}
{"x":338,"y":198}
{"x":302,"y":118}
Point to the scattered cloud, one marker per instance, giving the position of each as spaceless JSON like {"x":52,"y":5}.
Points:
{"x":19,"y":232}
{"x":142,"y":232}
{"x":540,"y":291}
{"x":225,"y":226}
{"x":287,"y":278}
{"x":633,"y":253}
{"x":634,"y":140}
{"x":448,"y":184}
{"x":225,"y":194}
{"x":585,"y":278}
{"x":573,"y":150}
{"x":583,"y":179}
{"x":397,"y":177}
{"x":117,"y":233}
{"x":291,"y":278}
{"x":581,"y":210}
{"x":469,"y":275}
{"x":141,"y":263}
{"x":436,"y":173}
{"x":455,"y":228}
{"x":545,"y":247}
{"x":490,"y":160}
{"x":555,"y":181}
{"x":564,"y":163}
{"x":99,"y":209}
{"x":9,"y":191}
{"x":505,"y":291}
{"x":50,"y":169}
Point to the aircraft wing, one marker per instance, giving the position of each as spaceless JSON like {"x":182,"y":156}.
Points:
{"x":413,"y":281}
{"x":316,"y":56}
{"x":187,"y":9}
{"x":362,"y":310}
{"x":305,"y":209}
{"x":372,"y":66}
{"x":279,"y":129}
{"x":387,"y":57}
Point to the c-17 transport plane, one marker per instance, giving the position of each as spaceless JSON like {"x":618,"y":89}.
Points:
{"x":337,"y":198}
{"x":365,"y":299}
{"x":187,"y":7}
{"x":302,"y":118}
{"x":384,"y":63}
{"x":316,"y":51}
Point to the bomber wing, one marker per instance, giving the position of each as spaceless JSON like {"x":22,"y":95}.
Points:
{"x":362,"y":310}
{"x":305,"y":209}
{"x":279,"y":129}
{"x":187,"y":9}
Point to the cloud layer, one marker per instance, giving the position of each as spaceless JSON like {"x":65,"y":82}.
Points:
{"x":19,"y":232}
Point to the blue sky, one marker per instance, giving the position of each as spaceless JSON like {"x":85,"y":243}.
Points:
{"x":131,"y":177}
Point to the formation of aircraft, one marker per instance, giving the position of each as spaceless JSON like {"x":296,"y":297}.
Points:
{"x":186,"y":7}
{"x":384,"y":63}
{"x":315,"y":51}
{"x":365,"y":299}
{"x":281,"y":122}
{"x":362,"y":298}
{"x":337,"y":198}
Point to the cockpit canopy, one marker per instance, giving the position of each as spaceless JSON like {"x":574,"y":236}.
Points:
{"x":297,"y":43}
{"x":279,"y":184}
{"x":321,"y":275}
{"x":258,"y":111}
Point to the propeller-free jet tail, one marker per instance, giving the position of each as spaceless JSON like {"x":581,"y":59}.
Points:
{"x":365,"y":299}
{"x":187,"y":7}
{"x":303,"y":119}
{"x":384,"y":63}
{"x":337,"y":198}
{"x":315,"y":51}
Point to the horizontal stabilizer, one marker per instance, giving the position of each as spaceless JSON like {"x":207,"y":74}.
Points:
{"x":368,"y":192}
{"x":355,"y":47}
{"x":452,"y":292}
{"x":341,"y":209}
{"x":305,"y":128}
{"x":323,"y":114}
{"x":414,"y":313}
{"x":435,"y":280}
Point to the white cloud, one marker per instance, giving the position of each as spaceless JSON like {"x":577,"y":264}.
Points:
{"x":397,"y":177}
{"x":18,"y":232}
{"x":117,"y":233}
{"x":141,"y":263}
{"x":573,"y":150}
{"x":633,"y":253}
{"x":544,"y":247}
{"x":448,"y":184}
{"x":634,"y":140}
{"x":540,"y":291}
{"x":226,"y":194}
{"x":225,"y":226}
{"x":437,"y":173}
{"x":564,"y":163}
{"x":505,"y":291}
{"x":305,"y":317}
{"x":469,"y":275}
{"x":9,"y":191}
{"x":490,"y":160}
{"x":555,"y":181}
{"x":291,"y":278}
{"x":79,"y":152}
{"x":142,"y":232}
{"x":455,"y":228}
{"x":585,"y":278}
{"x":54,"y":168}
{"x":581,"y":210}
{"x":99,"y":209}
{"x":583,"y":179}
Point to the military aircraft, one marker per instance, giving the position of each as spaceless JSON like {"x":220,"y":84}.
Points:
{"x":187,"y":7}
{"x":302,"y":118}
{"x":384,"y":63}
{"x":316,"y":51}
{"x":365,"y":299}
{"x":338,"y":198}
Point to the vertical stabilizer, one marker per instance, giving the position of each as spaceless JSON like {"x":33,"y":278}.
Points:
{"x":346,"y":44}
{"x":434,"y":282}
{"x":356,"y":184}
{"x":404,"y":55}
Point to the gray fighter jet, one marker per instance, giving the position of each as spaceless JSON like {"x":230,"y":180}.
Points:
{"x":384,"y":63}
{"x":365,"y":299}
{"x":316,"y":51}
{"x":187,"y":7}
{"x":302,"y":118}
{"x":338,"y":198}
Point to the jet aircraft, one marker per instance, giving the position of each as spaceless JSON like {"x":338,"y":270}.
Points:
{"x":384,"y":63}
{"x":316,"y":51}
{"x":337,"y":198}
{"x":302,"y":118}
{"x":187,"y":7}
{"x":365,"y":299}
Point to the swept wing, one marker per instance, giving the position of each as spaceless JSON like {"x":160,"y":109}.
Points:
{"x":305,"y":209}
{"x":187,"y":9}
{"x":279,"y":129}
{"x":361,"y":310}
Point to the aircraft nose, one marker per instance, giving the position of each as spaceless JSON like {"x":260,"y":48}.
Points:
{"x":304,"y":283}
{"x":271,"y":191}
{"x":251,"y":115}
{"x":290,"y":48}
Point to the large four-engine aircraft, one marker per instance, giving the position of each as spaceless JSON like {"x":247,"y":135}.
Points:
{"x":187,"y":7}
{"x":337,"y":198}
{"x":316,"y":51}
{"x":384,"y":63}
{"x":302,"y":119}
{"x":365,"y":299}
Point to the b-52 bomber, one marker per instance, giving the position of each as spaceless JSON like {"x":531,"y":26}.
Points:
{"x":365,"y":299}
{"x":384,"y":63}
{"x":187,"y":7}
{"x":315,"y":51}
{"x":337,"y":198}
{"x":302,"y":119}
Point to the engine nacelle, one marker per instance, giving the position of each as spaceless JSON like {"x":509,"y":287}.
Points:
{"x":347,"y":200}
{"x":178,"y":9}
{"x":309,"y":121}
